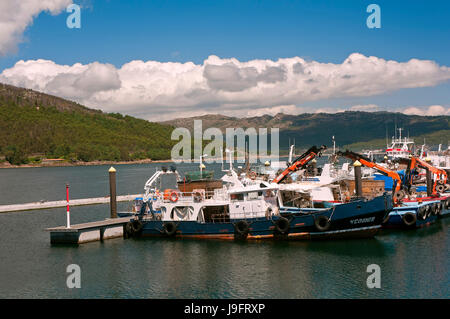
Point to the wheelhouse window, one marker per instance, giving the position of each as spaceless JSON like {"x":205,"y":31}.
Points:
{"x":216,"y":214}
{"x":253,"y":195}
{"x":237,"y":197}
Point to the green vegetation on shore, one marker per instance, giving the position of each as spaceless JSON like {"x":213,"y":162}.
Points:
{"x":36,"y":123}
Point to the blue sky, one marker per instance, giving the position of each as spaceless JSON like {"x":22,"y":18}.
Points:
{"x":185,"y":30}
{"x":118,"y":32}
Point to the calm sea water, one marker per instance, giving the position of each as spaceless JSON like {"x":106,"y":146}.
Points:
{"x":414,"y":264}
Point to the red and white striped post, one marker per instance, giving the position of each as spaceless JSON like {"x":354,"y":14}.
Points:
{"x":68,"y":212}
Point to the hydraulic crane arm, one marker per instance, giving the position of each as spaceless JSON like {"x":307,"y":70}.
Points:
{"x":368,"y":163}
{"x":415,"y":162}
{"x":299,"y":162}
{"x":410,"y":167}
{"x":441,"y":174}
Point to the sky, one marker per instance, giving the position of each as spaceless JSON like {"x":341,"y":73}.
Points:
{"x":165,"y":59}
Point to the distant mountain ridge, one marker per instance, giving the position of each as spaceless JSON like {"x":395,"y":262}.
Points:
{"x":34,"y":124}
{"x":349,"y":128}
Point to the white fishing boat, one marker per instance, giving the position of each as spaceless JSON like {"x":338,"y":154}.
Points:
{"x":400,"y":146}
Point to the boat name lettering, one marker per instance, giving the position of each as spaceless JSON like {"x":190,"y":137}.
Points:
{"x":362,"y":220}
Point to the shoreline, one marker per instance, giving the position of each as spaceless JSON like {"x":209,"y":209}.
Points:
{"x":93,"y":163}
{"x":5,"y":165}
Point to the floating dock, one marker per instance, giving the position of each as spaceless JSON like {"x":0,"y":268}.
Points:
{"x":63,"y":203}
{"x":88,"y":232}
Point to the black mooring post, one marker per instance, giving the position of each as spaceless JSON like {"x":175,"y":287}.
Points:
{"x":429,"y":183}
{"x":112,"y":192}
{"x":358,"y":178}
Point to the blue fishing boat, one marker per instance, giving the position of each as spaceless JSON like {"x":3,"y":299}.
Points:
{"x":252,"y":212}
{"x":445,"y":202}
{"x":413,"y":214}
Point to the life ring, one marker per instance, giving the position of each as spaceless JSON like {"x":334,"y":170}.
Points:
{"x":174,"y":197}
{"x":137,"y":226}
{"x":422,"y":212}
{"x":436,"y":208}
{"x":439,"y":207}
{"x":282,"y":226}
{"x":447,"y":203}
{"x":128,"y":230}
{"x":133,"y":228}
{"x":241,"y":230}
{"x":252,"y":175}
{"x":169,"y":228}
{"x":409,"y":219}
{"x":322,"y":223}
{"x":430,"y":210}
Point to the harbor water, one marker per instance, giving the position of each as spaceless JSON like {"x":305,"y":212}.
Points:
{"x":413,"y":263}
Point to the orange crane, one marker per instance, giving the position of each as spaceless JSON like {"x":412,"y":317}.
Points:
{"x":299,"y":162}
{"x":399,"y":194}
{"x":414,"y":162}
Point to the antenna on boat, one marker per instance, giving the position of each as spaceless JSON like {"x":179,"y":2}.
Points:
{"x":221,"y":154}
{"x":334,"y":146}
{"x":231,"y":163}
{"x":387,"y":143}
{"x":291,"y":151}
{"x":247,"y":155}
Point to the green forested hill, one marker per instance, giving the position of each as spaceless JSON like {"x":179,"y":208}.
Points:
{"x":37,"y":123}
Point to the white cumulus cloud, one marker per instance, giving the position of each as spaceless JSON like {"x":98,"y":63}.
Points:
{"x":157,"y":90}
{"x":15,"y":16}
{"x":432,"y":110}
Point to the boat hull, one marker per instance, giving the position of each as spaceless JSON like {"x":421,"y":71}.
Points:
{"x":361,"y":218}
{"x":445,"y":202}
{"x":408,"y":216}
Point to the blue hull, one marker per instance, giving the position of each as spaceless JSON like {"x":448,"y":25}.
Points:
{"x":445,"y":207}
{"x":360,"y":218}
{"x":408,"y":216}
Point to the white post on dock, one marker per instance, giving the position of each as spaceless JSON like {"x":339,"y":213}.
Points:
{"x":68,"y":212}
